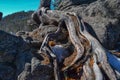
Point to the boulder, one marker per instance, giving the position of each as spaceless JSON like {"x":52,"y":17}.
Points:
{"x":19,"y":60}
{"x":14,"y":52}
{"x":6,"y":72}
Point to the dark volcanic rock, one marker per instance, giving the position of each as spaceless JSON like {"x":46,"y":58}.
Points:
{"x":8,"y":46}
{"x":14,"y":52}
{"x":1,"y":16}
{"x":19,"y":60}
{"x":6,"y":72}
{"x":40,"y":72}
{"x":36,"y":71}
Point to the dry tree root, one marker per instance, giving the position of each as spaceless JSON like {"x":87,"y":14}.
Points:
{"x":99,"y":51}
{"x":76,"y":37}
{"x":54,"y":61}
{"x":87,"y":48}
{"x":46,"y":48}
{"x":84,"y":47}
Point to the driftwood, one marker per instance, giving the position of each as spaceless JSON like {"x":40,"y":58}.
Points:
{"x":90,"y":53}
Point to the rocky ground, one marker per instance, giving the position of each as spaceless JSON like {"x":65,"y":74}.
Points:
{"x":19,"y":55}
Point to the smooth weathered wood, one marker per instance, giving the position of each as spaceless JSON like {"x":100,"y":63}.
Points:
{"x":86,"y":46}
{"x":53,"y":61}
{"x":74,"y":39}
{"x":96,"y":69}
{"x":84,"y":41}
{"x":100,"y":52}
{"x":88,"y":71}
{"x":46,"y":48}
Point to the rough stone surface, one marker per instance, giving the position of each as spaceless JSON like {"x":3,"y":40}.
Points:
{"x":7,"y":72}
{"x":18,"y":60}
{"x":68,"y":3}
{"x":19,"y":21}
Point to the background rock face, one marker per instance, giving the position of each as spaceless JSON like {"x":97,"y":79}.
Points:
{"x":113,"y":7}
{"x":15,"y":22}
{"x":1,"y":16}
{"x":68,"y":3}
